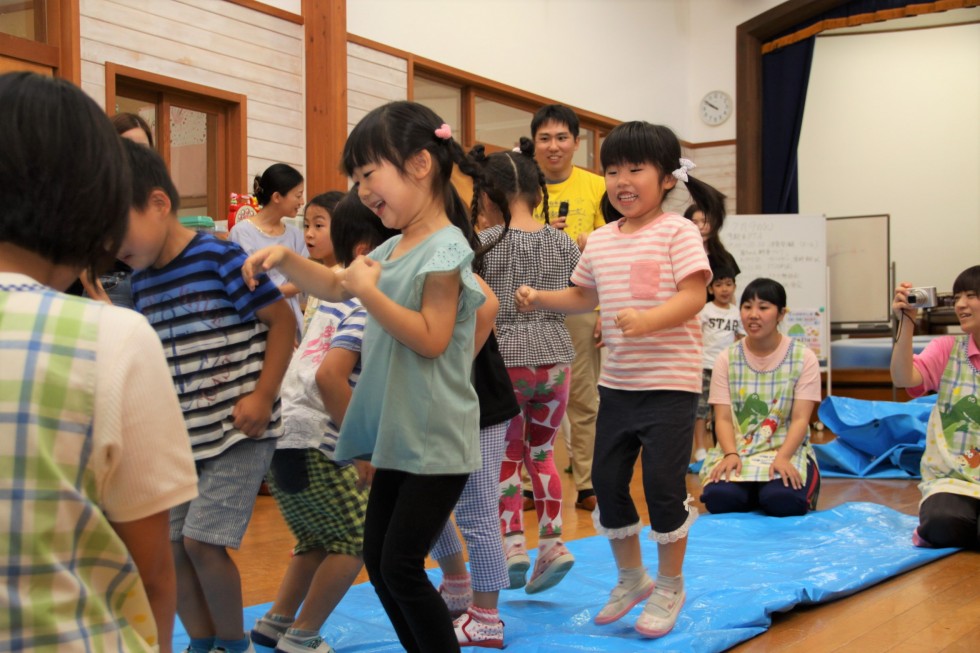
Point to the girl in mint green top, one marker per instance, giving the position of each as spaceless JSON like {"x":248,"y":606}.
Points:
{"x":414,"y":413}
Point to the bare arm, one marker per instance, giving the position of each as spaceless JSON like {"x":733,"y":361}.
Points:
{"x":306,"y":275}
{"x":684,"y":305}
{"x":148,"y":542}
{"x":428,"y":331}
{"x":485,"y":315}
{"x":904,"y":374}
{"x":574,"y":299}
{"x":252,"y":412}
{"x":333,"y":381}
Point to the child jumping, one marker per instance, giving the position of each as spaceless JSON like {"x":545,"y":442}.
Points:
{"x":414,"y":412}
{"x":93,"y":444}
{"x":949,"y":513}
{"x":720,"y":327}
{"x":319,"y":497}
{"x":648,"y":271}
{"x":228,"y":350}
{"x":537,"y":351}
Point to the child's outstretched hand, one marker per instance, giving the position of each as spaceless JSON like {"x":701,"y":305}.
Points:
{"x":251,"y":415}
{"x":526,"y":299}
{"x":900,"y":305}
{"x":261,"y":262}
{"x":361,"y":275}
{"x":631,"y":322}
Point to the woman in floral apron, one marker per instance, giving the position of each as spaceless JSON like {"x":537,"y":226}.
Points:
{"x":949,"y":366}
{"x":764,"y":388}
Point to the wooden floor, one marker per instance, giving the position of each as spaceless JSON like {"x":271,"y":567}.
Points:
{"x":935,"y":608}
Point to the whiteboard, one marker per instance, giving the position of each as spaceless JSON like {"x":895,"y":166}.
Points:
{"x":792,"y":249}
{"x":859,"y":259}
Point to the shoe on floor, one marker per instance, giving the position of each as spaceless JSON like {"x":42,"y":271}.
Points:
{"x":518,"y":562}
{"x":266,"y":632}
{"x":586,"y":503}
{"x":457,"y":603}
{"x":623,"y":599}
{"x":222,"y":649}
{"x":550,"y":568}
{"x":660,"y":613}
{"x":470,"y":631}
{"x":312,"y":645}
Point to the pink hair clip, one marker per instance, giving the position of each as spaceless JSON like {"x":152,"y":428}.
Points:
{"x":445,"y":132}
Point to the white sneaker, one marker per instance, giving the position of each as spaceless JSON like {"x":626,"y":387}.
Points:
{"x":470,"y":631}
{"x":660,"y":613}
{"x":518,"y":562}
{"x":312,"y":645}
{"x":623,"y":599}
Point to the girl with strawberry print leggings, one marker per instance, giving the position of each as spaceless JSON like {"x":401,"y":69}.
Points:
{"x":536,"y":349}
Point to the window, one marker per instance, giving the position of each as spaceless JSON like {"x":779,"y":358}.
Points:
{"x":24,"y":20}
{"x":492,"y":114}
{"x":199,"y":132}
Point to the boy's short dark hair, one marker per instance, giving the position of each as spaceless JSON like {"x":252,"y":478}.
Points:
{"x":723,"y":272}
{"x":558,"y":113}
{"x":149,"y":172}
{"x":64,"y":182}
{"x":351,"y":224}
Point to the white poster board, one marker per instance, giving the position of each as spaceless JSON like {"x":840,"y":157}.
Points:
{"x":859,"y":260}
{"x":792,"y":249}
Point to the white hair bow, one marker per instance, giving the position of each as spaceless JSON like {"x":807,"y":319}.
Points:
{"x":681,"y":173}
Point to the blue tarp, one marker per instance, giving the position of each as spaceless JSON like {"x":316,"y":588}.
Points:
{"x":875,"y":439}
{"x":740,"y":569}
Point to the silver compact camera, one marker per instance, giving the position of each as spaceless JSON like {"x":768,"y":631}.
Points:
{"x":924,"y":297}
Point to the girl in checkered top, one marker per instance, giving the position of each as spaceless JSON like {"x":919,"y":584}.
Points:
{"x":649,"y":271}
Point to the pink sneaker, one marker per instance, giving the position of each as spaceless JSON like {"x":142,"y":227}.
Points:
{"x":457,"y":603}
{"x":660,"y":613}
{"x":470,"y":631}
{"x":550,"y":568}
{"x":518,"y":563}
{"x":622,"y":600}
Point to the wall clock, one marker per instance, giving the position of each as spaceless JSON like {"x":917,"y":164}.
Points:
{"x":715,"y":107}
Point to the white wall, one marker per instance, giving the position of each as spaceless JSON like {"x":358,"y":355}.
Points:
{"x":891,"y":126}
{"x":214,"y":43}
{"x":626,"y":59}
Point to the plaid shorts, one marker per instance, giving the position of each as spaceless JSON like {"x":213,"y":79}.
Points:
{"x":704,"y":408}
{"x":329,"y":513}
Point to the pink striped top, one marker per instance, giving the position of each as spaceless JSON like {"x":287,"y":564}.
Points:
{"x":641,"y":270}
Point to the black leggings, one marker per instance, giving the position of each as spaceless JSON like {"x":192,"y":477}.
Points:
{"x":947,"y":519}
{"x":405,"y":515}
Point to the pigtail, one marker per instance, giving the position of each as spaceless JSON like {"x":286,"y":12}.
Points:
{"x":526,"y":147}
{"x":711,"y":202}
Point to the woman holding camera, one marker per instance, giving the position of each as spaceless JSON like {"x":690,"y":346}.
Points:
{"x":950,"y":366}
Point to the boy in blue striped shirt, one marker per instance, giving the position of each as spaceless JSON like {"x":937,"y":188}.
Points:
{"x":228,"y":349}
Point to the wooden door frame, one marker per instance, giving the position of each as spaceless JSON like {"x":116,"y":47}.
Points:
{"x":749,"y":37}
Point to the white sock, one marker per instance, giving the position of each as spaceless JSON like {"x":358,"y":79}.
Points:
{"x":672,"y":583}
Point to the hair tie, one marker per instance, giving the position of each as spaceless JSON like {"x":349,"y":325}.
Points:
{"x":444,"y":132}
{"x":681,"y":173}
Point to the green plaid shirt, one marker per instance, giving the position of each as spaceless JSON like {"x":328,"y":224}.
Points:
{"x":70,"y":584}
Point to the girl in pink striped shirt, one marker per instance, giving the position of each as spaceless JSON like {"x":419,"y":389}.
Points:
{"x":648,"y":270}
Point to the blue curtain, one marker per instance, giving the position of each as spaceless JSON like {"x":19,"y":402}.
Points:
{"x":785,"y":75}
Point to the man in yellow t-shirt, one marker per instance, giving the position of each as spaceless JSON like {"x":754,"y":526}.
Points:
{"x":574,"y":197}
